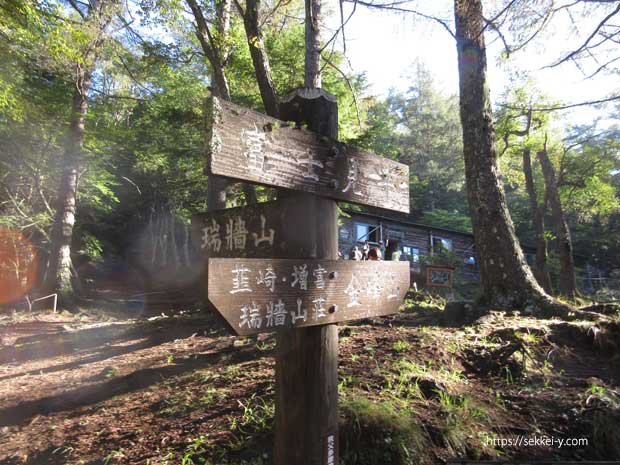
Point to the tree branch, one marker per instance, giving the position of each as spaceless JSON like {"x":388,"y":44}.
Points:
{"x":394,"y":7}
{"x":584,"y":46}
{"x":75,"y":6}
{"x":346,"y":78}
{"x":565,"y":107}
{"x":341,"y":27}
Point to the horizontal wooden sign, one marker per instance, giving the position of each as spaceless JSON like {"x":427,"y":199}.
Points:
{"x":257,"y":295}
{"x":250,"y":146}
{"x":278,"y":229}
{"x":253,"y":231}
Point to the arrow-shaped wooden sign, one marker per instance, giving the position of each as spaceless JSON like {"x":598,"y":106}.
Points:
{"x":257,"y":295}
{"x":243,"y":144}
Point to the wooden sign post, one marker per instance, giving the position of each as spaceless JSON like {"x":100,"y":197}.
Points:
{"x":275,"y":267}
{"x":306,"y":420}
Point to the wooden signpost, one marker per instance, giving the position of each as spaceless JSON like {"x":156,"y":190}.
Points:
{"x":256,"y":295}
{"x":274,"y":266}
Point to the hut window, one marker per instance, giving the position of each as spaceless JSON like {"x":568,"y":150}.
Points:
{"x":439,"y":243}
{"x":413,"y":254}
{"x":366,"y":232}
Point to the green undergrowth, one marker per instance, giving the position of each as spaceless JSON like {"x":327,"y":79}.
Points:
{"x":372,"y":433}
{"x":423,"y":301}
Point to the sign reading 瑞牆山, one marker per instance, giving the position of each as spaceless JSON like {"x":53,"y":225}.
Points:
{"x":250,"y":146}
{"x":254,"y":231}
{"x":256,"y":295}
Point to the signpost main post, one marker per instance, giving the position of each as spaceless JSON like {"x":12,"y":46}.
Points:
{"x":306,"y":418}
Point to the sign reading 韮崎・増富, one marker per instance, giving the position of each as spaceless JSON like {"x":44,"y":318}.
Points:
{"x":256,"y":295}
{"x":250,"y":146}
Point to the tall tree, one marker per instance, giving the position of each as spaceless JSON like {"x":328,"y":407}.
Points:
{"x":260,"y":58}
{"x":513,"y":122}
{"x":568,"y":282}
{"x":95,"y":18}
{"x":538,"y":220}
{"x":506,"y":279}
{"x":214,"y":42}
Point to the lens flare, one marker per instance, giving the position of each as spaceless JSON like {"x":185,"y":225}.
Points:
{"x":18,"y":265}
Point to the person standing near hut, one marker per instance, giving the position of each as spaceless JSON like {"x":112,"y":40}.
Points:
{"x":374,"y":254}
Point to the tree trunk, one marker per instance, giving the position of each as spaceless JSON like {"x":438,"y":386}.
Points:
{"x":260,"y":58}
{"x":60,"y":269}
{"x":216,"y":55}
{"x":507,"y":281}
{"x":538,"y":219}
{"x":568,"y":283}
{"x":312,"y":79}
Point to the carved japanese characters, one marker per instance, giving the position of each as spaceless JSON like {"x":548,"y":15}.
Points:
{"x":257,"y":295}
{"x":250,"y":146}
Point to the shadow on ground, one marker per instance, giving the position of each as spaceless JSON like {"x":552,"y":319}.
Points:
{"x":23,"y":412}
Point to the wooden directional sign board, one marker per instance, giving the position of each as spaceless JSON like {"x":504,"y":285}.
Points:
{"x":257,"y":295}
{"x":250,"y":146}
{"x":278,"y":229}
{"x":255,"y":231}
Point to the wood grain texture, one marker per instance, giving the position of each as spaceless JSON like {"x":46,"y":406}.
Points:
{"x":257,"y":295}
{"x":254,"y":231}
{"x":306,"y":416}
{"x":246,"y":145}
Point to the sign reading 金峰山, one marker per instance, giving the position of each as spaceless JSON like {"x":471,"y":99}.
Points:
{"x":256,"y":295}
{"x":250,"y":146}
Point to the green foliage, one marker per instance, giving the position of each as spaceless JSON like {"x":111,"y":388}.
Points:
{"x":93,"y":246}
{"x":454,"y":219}
{"x":421,"y":128}
{"x":585,"y":160}
{"x":401,"y":346}
{"x":285,"y":47}
{"x":378,"y":433}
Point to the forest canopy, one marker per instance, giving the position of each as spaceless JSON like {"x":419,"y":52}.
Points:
{"x":105,"y":99}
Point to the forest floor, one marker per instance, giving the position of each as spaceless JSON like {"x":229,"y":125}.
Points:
{"x":108,"y":387}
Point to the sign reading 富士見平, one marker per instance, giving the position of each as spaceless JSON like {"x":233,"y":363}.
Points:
{"x":250,"y":146}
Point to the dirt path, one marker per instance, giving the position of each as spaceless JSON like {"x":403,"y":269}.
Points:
{"x":179,"y":390}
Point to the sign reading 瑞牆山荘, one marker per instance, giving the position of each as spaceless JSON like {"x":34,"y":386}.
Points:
{"x":250,"y":146}
{"x":256,"y":295}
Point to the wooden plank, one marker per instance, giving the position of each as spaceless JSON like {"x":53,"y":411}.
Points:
{"x":240,"y":232}
{"x":243,"y":144}
{"x":254,"y":231}
{"x":257,"y":295}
